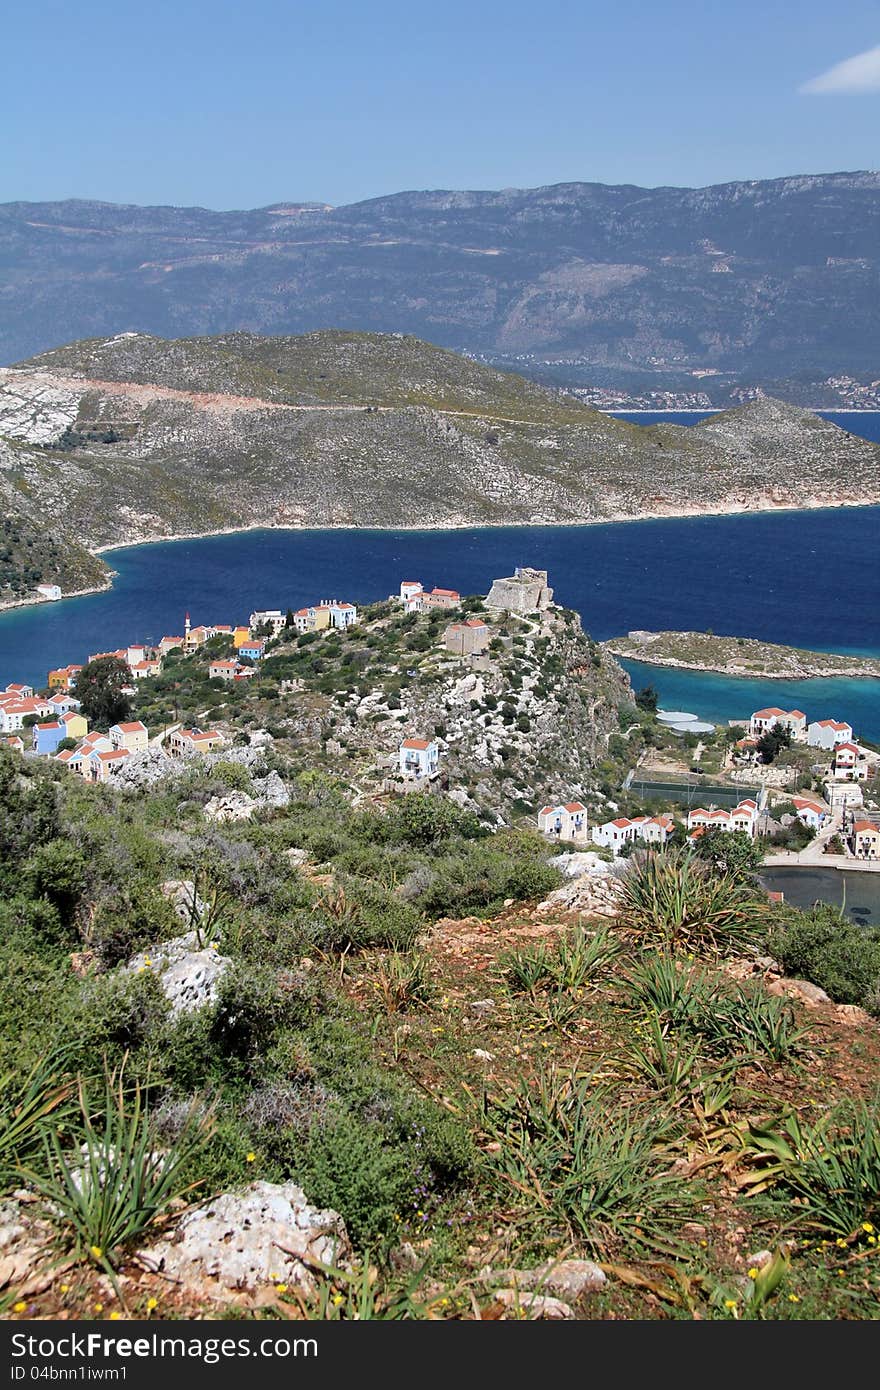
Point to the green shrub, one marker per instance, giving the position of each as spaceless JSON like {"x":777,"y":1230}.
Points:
{"x":824,"y":946}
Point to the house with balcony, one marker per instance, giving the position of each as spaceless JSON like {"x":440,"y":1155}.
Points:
{"x":567,"y":821}
{"x":864,"y":839}
{"x":794,"y":720}
{"x":419,"y":758}
{"x":132,"y":736}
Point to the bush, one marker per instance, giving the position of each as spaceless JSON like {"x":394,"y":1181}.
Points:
{"x":824,"y":946}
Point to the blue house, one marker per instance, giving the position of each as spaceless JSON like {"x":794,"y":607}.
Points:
{"x":255,"y":650}
{"x":48,"y":736}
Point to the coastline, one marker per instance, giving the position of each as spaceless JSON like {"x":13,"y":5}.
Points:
{"x":7,"y":606}
{"x":461,"y":524}
{"x":807,"y":674}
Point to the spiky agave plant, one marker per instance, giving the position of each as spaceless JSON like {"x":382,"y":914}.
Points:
{"x":115,"y":1181}
{"x":674,"y":900}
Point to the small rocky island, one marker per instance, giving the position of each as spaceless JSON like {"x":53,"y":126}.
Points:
{"x":738,"y":656}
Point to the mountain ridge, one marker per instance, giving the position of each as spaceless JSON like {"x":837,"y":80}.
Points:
{"x":751,"y":281}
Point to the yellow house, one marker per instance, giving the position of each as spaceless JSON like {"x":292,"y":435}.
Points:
{"x":240,"y":636}
{"x":75,"y":725}
{"x":133,"y":737}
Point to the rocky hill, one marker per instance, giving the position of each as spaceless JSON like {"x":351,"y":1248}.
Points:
{"x":135,"y":438}
{"x":762,"y":280}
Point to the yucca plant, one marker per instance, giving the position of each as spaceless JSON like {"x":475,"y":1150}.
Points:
{"x":582,"y":957}
{"x":404,"y":981}
{"x":106,"y":1193}
{"x":675,"y":900}
{"x":752,"y":1024}
{"x":29,"y":1107}
{"x":662,"y":984}
{"x":528,"y":970}
{"x":567,"y":1154}
{"x":832,"y":1167}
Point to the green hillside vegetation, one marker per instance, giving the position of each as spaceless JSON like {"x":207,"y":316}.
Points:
{"x":641,"y":1107}
{"x":31,"y":556}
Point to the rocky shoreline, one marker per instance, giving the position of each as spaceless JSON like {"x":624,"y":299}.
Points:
{"x":7,"y":604}
{"x":767,"y":661}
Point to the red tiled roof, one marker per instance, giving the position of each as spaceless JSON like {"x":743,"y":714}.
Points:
{"x":621,"y":823}
{"x":574,"y":806}
{"x":416,"y":743}
{"x":135,"y":728}
{"x":862,"y":826}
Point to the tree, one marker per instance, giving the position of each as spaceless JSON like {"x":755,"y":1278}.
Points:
{"x":289,"y":620}
{"x":100,"y":689}
{"x":772,"y":741}
{"x":729,"y":852}
{"x":647,"y":698}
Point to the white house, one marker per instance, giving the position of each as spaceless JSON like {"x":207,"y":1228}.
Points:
{"x":50,"y":591}
{"x":565,"y":822}
{"x":614,"y":834}
{"x":810,"y":812}
{"x":271,"y":617}
{"x":224,"y":670}
{"x":410,"y":589}
{"x":792,"y":719}
{"x":341,"y":614}
{"x":850,"y":762}
{"x":419,"y":757}
{"x":743,"y":817}
{"x":827,"y":733}
{"x":653,"y":830}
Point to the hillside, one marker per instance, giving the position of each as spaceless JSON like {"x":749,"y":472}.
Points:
{"x":759,"y":282}
{"x":135,"y":438}
{"x":379,"y":1059}
{"x":31,"y":556}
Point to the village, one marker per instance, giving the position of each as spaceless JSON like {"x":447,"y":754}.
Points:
{"x":835,"y":820}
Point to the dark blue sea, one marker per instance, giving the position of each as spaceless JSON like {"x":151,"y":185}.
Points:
{"x":811,"y":579}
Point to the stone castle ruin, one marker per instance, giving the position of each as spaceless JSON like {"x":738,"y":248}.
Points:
{"x":525,"y":591}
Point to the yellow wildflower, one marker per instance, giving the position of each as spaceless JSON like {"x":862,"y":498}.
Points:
{"x":337,"y":1299}
{"x":793,"y":1298}
{"x":65,"y":1288}
{"x":753,"y":1273}
{"x":115,"y":1315}
{"x":95,"y":1251}
{"x":152,"y":1304}
{"x":730,"y":1302}
{"x":250,"y":1158}
{"x":18,"y":1307}
{"x":281,"y":1288}
{"x":99,"y":1307}
{"x":866,"y":1226}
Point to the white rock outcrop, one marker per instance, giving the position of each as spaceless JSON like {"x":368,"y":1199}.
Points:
{"x":188,"y":971}
{"x":245,"y":1242}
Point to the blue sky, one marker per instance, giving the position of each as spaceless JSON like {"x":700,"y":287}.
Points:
{"x":241,"y":103}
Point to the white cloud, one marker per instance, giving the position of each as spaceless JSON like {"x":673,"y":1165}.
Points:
{"x":858,"y":74}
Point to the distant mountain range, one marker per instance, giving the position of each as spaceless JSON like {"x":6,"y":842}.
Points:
{"x":136,"y":438}
{"x":625,"y":293}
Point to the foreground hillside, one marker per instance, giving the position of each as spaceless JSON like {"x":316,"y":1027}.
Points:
{"x":601,"y":284}
{"x":276,"y":1044}
{"x":136,"y":438}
